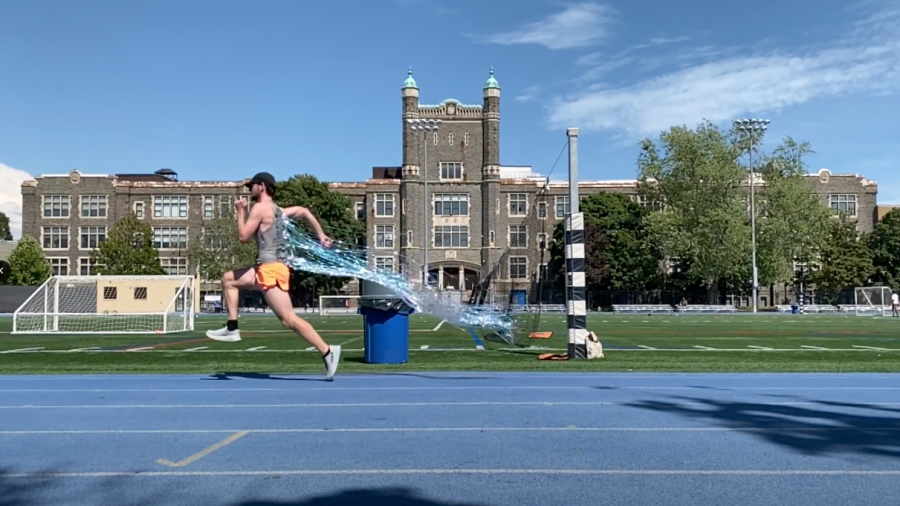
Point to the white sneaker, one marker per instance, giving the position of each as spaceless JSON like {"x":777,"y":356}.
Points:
{"x":225,"y":335}
{"x":331,"y":362}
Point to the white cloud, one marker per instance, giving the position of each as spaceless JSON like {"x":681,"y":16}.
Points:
{"x":578,"y":25}
{"x":11,"y":196}
{"x":867,"y":60}
{"x":529,"y":94}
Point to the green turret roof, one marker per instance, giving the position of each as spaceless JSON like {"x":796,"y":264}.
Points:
{"x":410,"y":82}
{"x":491,"y":82}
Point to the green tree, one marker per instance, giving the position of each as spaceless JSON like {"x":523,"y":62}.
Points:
{"x":28,"y":264}
{"x":792,"y":224}
{"x":703,"y":223}
{"x":128,"y":250}
{"x":334,"y":212}
{"x":5,"y":232}
{"x":618,"y":251}
{"x":845,"y":260}
{"x":219,"y":249}
{"x":884,"y":243}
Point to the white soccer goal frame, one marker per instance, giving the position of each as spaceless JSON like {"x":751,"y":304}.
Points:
{"x":863,"y":302}
{"x":51,"y":315}
{"x":324,"y":311}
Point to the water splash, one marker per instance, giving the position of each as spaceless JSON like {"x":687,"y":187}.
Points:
{"x":305,"y":253}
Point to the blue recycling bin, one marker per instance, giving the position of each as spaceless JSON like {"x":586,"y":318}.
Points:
{"x":795,"y":309}
{"x":385,"y":325}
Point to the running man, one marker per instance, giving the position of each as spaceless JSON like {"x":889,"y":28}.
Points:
{"x":895,"y":305}
{"x":270,"y":275}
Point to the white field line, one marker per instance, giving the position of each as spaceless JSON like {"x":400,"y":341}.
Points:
{"x":434,"y":429}
{"x":370,"y":405}
{"x":696,"y":349}
{"x":22,"y":350}
{"x":457,"y":471}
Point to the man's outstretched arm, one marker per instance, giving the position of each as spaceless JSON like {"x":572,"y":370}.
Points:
{"x":300,"y":212}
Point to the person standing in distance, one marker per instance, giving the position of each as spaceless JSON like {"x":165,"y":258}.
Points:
{"x":271,"y":275}
{"x":895,"y":305}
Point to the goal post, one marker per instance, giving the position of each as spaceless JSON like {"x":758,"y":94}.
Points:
{"x":872,"y":300}
{"x":330,"y":305}
{"x":108,"y":305}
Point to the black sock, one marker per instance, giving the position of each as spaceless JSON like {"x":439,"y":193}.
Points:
{"x":232,"y":325}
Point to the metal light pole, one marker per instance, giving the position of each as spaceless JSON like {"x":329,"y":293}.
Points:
{"x":751,"y":127}
{"x":425,"y":126}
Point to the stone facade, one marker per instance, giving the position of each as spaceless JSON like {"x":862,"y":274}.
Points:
{"x":69,"y":213}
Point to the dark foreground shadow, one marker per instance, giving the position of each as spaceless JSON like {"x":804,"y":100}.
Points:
{"x":120,"y":491}
{"x":803,"y":429}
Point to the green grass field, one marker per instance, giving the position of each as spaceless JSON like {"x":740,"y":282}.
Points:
{"x":659,"y":343}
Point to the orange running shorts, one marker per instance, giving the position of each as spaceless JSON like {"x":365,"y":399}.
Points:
{"x":272,"y":275}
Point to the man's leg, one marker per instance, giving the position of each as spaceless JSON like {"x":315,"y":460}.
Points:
{"x":280,"y":302}
{"x":232,"y":283}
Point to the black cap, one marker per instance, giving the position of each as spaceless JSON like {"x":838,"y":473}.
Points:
{"x":262,"y":177}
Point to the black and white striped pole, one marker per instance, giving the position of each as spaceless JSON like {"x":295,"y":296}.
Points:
{"x":576,"y":300}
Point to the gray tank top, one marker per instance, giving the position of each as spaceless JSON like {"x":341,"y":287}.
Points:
{"x":270,"y":243}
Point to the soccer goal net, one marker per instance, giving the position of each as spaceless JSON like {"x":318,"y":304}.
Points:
{"x":108,"y":305}
{"x":873,"y":301}
{"x":330,"y":305}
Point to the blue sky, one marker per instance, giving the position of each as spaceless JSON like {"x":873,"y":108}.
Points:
{"x":220,"y":89}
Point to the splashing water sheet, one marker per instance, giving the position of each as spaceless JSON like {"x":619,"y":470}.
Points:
{"x":304,"y":252}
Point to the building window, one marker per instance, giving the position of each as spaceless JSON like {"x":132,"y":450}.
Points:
{"x":93,"y":206}
{"x":843,"y":204}
{"x":562,"y":207}
{"x":140,"y":293}
{"x":451,"y":171}
{"x":409,"y":236}
{"x":518,"y":236}
{"x":226,"y":205}
{"x":138,"y":208}
{"x":385,"y":264}
{"x":542,"y":241}
{"x":110,"y":292}
{"x":518,"y":267}
{"x":450,"y":138}
{"x":384,"y":236}
{"x":542,"y":210}
{"x":451,"y":204}
{"x":361,"y":211}
{"x":209,"y":207}
{"x":170,"y":238}
{"x":170,"y":206}
{"x":91,"y":237}
{"x":174,"y":266}
{"x":57,"y":206}
{"x":384,"y":205}
{"x":466,"y":139}
{"x":55,"y":237}
{"x":87,"y":266}
{"x":451,"y":236}
{"x":491,"y":238}
{"x":59,"y":266}
{"x":518,"y":204}
{"x":434,"y":139}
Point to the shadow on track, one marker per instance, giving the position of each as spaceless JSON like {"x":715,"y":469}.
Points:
{"x":226,"y":376}
{"x":802,"y":429}
{"x":122,"y":492}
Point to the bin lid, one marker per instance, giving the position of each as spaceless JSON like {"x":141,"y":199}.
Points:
{"x":372,"y":290}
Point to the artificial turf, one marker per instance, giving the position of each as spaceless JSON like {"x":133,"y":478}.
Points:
{"x":658,"y":343}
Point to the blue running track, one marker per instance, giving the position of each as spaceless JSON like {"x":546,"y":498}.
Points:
{"x":451,"y":439}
